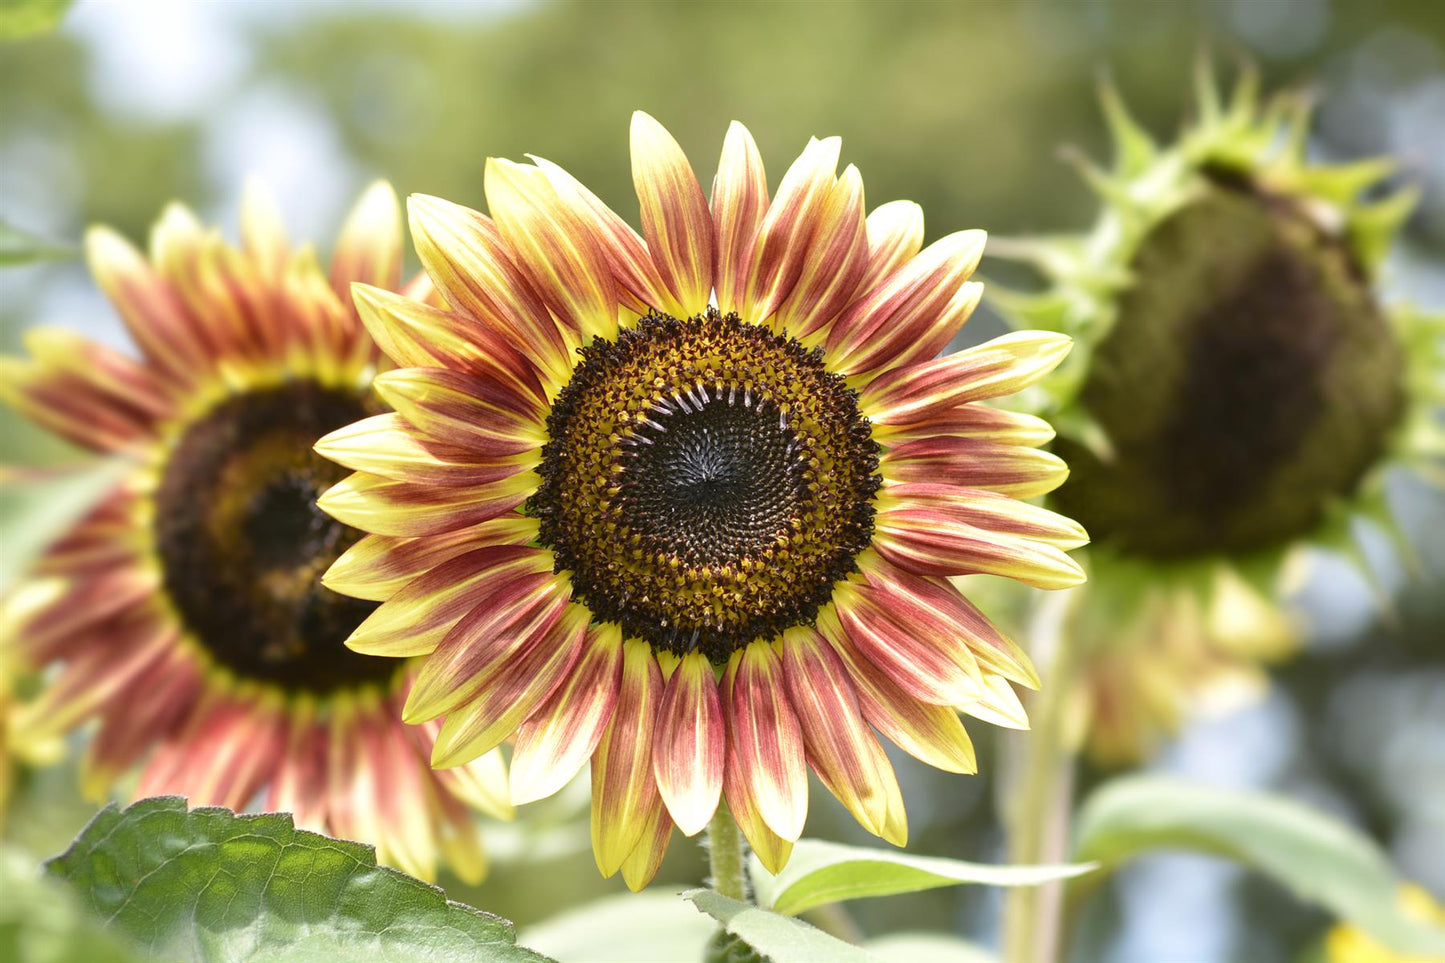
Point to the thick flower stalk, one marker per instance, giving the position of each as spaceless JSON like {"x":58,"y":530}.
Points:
{"x":1239,"y":392}
{"x":183,"y":614}
{"x":685,"y":503}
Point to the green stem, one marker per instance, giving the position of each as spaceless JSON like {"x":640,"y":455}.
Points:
{"x":725,"y":855}
{"x":1041,"y":792}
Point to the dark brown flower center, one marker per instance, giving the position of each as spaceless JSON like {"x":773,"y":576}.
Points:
{"x":1250,"y":380}
{"x":243,"y":545}
{"x":706,"y":482}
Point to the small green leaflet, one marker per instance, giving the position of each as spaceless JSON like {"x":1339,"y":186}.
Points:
{"x":19,"y":246}
{"x":782,"y":939}
{"x":822,"y":872}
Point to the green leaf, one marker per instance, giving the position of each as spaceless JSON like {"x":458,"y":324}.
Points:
{"x":932,"y":947}
{"x":1321,"y":859}
{"x":33,"y":513}
{"x":821,"y":872}
{"x":19,"y":246}
{"x":26,"y":18}
{"x":41,"y":923}
{"x":623,"y":929}
{"x":782,"y":939}
{"x":209,"y":885}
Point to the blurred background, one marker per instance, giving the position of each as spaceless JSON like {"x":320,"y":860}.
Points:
{"x":961,"y":107}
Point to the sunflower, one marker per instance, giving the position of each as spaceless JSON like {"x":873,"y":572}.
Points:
{"x":183,"y":613}
{"x":1239,"y":393}
{"x":734,"y":478}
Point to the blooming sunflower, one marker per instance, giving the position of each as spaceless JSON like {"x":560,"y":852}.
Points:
{"x":1238,"y":393}
{"x":184,"y":611}
{"x":686,"y":503}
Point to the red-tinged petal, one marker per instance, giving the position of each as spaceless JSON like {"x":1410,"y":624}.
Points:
{"x":739,"y":203}
{"x":996,"y":702}
{"x":999,"y":367}
{"x":486,"y":642}
{"x":387,"y":445}
{"x":689,"y":746}
{"x":675,"y":216}
{"x":379,"y":566}
{"x":223,"y":758}
{"x":300,"y":777}
{"x":49,"y":618}
{"x":368,"y":249}
{"x":936,"y":611}
{"x":218,"y":288}
{"x":465,"y":254}
{"x":625,"y":251}
{"x":402,"y":798}
{"x":930,"y":733}
{"x":101,"y":535}
{"x":935,"y":336}
{"x":385,"y":506}
{"x":126,"y":386}
{"x":989,"y":511}
{"x":1003,"y":469}
{"x":642,"y":864}
{"x":512,"y":694}
{"x":552,"y":247}
{"x":71,"y":407}
{"x":92,"y":395}
{"x":465,"y":411}
{"x":841,"y":747}
{"x":153,"y":313}
{"x":482,"y":783}
{"x":895,"y":234}
{"x":931,"y":542}
{"x":415,"y":619}
{"x":263,"y":234}
{"x":917,"y":664}
{"x":319,"y":328}
{"x":834,"y":265}
{"x":766,"y":742}
{"x":417,"y":335}
{"x":130,"y":730}
{"x":93,"y":678}
{"x":560,"y":736}
{"x":345,"y":767}
{"x":775,"y":260}
{"x":771,"y":849}
{"x":913,"y":312}
{"x":624,"y":792}
{"x":974,"y":421}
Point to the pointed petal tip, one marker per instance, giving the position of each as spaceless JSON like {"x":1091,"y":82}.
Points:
{"x":642,"y":119}
{"x":106,"y":248}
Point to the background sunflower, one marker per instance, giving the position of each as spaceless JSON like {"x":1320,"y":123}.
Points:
{"x":181,"y":616}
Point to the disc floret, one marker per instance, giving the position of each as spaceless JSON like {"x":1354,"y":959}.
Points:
{"x":706,"y":482}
